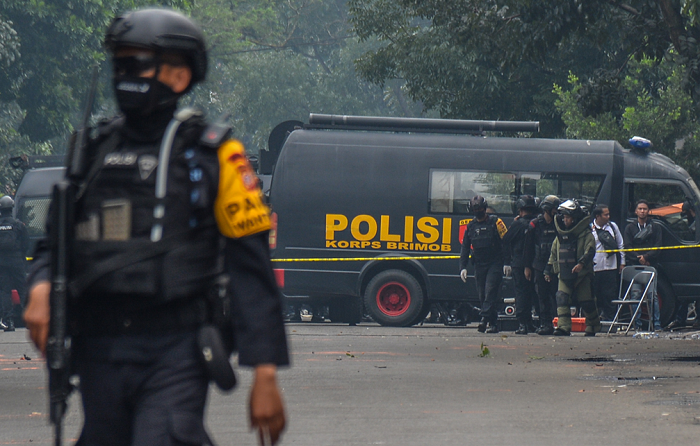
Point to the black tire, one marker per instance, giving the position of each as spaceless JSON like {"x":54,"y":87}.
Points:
{"x":422,"y":315}
{"x":394,"y":298}
{"x":667,"y":301}
{"x":346,"y":310}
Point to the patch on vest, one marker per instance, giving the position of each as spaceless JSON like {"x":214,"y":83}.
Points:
{"x":147,"y":164}
{"x":120,"y":159}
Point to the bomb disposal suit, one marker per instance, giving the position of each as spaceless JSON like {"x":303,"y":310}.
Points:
{"x":574,"y":246}
{"x":167,"y":205}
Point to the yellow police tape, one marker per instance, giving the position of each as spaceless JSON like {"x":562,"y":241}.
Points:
{"x":367,"y":259}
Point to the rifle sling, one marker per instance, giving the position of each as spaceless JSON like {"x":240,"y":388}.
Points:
{"x":78,"y":285}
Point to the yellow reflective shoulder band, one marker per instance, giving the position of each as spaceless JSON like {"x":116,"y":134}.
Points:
{"x":239,"y":207}
{"x":502,"y":229}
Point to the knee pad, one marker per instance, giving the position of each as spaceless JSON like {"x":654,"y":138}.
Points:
{"x":562,"y":299}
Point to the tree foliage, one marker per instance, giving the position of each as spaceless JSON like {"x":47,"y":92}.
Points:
{"x":497,"y":59}
{"x":655,"y":106}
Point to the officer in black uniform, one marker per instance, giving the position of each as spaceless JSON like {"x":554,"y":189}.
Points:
{"x":179,"y":201}
{"x":538,"y":247}
{"x":514,"y":253}
{"x":13,"y":259}
{"x":483,"y":243}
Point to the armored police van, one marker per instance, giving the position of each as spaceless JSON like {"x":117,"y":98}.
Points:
{"x":33,"y":198}
{"x":370,"y":212}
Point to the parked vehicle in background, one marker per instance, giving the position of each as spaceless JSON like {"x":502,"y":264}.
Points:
{"x":388,"y":190}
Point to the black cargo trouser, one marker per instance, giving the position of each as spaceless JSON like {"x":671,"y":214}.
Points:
{"x":488,"y":282}
{"x":525,"y":296}
{"x":142,"y":390}
{"x":606,"y":288}
{"x":547,"y":293}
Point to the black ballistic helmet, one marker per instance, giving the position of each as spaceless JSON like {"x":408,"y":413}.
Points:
{"x":478,"y":202}
{"x":7,"y":202}
{"x":162,"y":31}
{"x":550,"y":202}
{"x":526,"y":202}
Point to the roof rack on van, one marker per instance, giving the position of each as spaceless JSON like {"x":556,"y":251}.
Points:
{"x":25,"y":162}
{"x":378,"y":123}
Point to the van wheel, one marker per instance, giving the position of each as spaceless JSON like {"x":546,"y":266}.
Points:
{"x":667,"y":301}
{"x":346,"y":310}
{"x":394,"y":298}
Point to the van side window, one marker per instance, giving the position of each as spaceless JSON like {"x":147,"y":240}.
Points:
{"x":451,"y":190}
{"x":665,"y":204}
{"x":584,"y":188}
{"x":33,"y":213}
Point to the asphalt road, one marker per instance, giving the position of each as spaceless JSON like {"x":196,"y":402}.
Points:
{"x":371,"y":385}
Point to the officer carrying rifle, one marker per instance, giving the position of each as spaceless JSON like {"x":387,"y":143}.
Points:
{"x":163,"y":207}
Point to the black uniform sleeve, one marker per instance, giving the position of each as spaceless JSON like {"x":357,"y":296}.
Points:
{"x":628,"y":236}
{"x":657,"y":237}
{"x":508,"y":240}
{"x":465,"y":251}
{"x":40,"y":266}
{"x":257,"y":303}
{"x":529,"y":245}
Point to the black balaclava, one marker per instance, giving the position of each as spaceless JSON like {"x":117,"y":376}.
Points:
{"x":147,"y":104}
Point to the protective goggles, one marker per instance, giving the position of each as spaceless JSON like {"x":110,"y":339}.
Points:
{"x":133,"y":65}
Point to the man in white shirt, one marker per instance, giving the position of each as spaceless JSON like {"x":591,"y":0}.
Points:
{"x":606,"y":266}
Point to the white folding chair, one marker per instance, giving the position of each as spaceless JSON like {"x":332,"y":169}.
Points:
{"x":635,"y":289}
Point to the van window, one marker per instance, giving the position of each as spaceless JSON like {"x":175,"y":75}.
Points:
{"x":451,"y":190}
{"x":665,"y":204}
{"x":33,"y":212}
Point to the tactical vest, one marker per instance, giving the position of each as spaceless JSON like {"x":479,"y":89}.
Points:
{"x":10,"y":237}
{"x":567,"y":256}
{"x":115,"y":218}
{"x":483,"y":236}
{"x":544,"y":238}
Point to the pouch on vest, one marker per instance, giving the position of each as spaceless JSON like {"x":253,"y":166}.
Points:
{"x":567,"y":257}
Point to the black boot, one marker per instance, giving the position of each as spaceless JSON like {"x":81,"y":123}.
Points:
{"x":482,"y":325}
{"x":560,"y":332}
{"x":493,"y":328}
{"x":10,"y":325}
{"x":545,"y":330}
{"x":522,"y":329}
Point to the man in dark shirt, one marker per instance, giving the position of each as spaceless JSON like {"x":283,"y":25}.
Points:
{"x":483,"y":244}
{"x":514,"y":254}
{"x":644,"y":234}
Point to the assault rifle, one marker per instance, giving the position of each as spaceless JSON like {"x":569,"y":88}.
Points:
{"x":58,"y":347}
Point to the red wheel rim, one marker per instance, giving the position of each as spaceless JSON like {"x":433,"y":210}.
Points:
{"x":393,"y":299}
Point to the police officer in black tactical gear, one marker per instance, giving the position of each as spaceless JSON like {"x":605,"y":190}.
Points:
{"x":483,"y":243}
{"x":538,"y":247}
{"x":179,"y":201}
{"x":515,"y":263}
{"x":13,"y":258}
